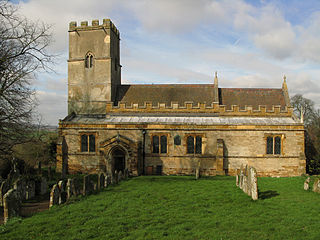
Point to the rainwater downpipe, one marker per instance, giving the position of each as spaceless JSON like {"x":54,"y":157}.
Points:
{"x":143,"y":150}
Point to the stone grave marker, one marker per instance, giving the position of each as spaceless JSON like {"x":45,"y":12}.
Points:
{"x":4,"y":188}
{"x":54,"y":195}
{"x":306,"y":184}
{"x":11,"y":204}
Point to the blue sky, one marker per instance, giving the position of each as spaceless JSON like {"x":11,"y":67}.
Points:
{"x":250,"y":43}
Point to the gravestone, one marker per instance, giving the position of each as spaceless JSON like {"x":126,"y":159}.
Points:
{"x":115,"y":178}
{"x":62,"y":197}
{"x":100,"y":181}
{"x":4,"y":188}
{"x":126,"y":173}
{"x":21,"y":186}
{"x":316,"y":186}
{"x":31,"y":189}
{"x":120,"y":176}
{"x":62,"y":185}
{"x":306,"y":184}
{"x":197,"y":173}
{"x":11,"y":204}
{"x":88,"y":186}
{"x":253,"y":182}
{"x":237,"y":177}
{"x":54,"y":195}
{"x":106,"y":180}
{"x":71,"y":190}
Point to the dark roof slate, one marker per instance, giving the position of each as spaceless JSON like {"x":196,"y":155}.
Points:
{"x":166,"y":93}
{"x":200,"y":93}
{"x":252,"y":96}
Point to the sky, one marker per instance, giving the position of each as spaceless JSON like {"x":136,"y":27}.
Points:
{"x":249,"y":43}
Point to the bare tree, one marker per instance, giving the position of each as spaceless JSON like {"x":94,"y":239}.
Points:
{"x":23,"y":52}
{"x":305,"y":106}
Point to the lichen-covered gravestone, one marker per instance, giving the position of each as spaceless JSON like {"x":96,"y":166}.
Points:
{"x":253,"y":183}
{"x":306,"y":184}
{"x":20,"y":185}
{"x":4,"y":188}
{"x":106,"y":180}
{"x":54,"y":195}
{"x":88,"y":185}
{"x":316,"y":186}
{"x":100,"y":181}
{"x":71,"y":190}
{"x":11,"y":204}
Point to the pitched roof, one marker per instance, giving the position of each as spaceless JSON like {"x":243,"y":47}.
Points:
{"x":200,"y":93}
{"x":166,"y":93}
{"x":252,"y":96}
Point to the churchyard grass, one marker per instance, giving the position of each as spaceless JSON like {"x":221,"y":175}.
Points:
{"x":179,"y":207}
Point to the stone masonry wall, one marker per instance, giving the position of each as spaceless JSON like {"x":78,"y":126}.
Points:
{"x":242,"y":145}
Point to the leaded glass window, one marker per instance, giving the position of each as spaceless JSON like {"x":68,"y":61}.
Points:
{"x":190,"y":144}
{"x":155,"y":144}
{"x":92,"y":143}
{"x":163,"y":141}
{"x":84,"y":143}
{"x":269,"y":145}
{"x":277,"y":145}
{"x":198,"y":145}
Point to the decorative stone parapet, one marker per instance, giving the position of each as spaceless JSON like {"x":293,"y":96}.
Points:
{"x":189,"y":107}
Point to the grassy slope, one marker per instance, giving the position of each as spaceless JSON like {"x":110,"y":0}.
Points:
{"x":180,"y":208}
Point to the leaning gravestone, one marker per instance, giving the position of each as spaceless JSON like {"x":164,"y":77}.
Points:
{"x":11,"y":204}
{"x":54,"y":195}
{"x":4,"y":188}
{"x":71,"y":190}
{"x":62,"y":185}
{"x":306,"y":184}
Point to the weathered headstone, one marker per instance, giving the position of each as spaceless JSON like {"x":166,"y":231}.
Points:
{"x":120,"y":175}
{"x":88,"y":186}
{"x":11,"y":204}
{"x":115,"y":178}
{"x":106,"y":180}
{"x":306,"y":184}
{"x":316,"y":186}
{"x":21,"y":187}
{"x":237,"y":177}
{"x":54,"y":195}
{"x":197,"y":173}
{"x":253,"y":183}
{"x":31,"y":189}
{"x":62,"y":197}
{"x":71,"y":190}
{"x":100,"y":181}
{"x":62,"y":185}
{"x":4,"y":188}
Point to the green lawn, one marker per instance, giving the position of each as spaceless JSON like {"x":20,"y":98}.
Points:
{"x":178,"y":207}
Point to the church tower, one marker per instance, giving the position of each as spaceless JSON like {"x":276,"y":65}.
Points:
{"x":94,"y":69}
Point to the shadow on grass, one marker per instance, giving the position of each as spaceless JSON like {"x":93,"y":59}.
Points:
{"x":268,"y":194}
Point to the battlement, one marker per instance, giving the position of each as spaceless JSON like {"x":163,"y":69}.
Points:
{"x":189,"y":107}
{"x":106,"y":24}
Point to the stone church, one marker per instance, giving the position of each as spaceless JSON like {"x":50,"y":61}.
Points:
{"x":168,"y":128}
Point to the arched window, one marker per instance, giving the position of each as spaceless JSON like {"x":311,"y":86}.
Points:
{"x":89,"y":60}
{"x":177,"y":140}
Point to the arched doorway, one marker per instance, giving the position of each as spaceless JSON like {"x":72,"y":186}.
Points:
{"x":119,"y":159}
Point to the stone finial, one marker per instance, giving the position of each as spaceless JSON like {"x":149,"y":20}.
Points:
{"x":285,"y":91}
{"x":216,"y":88}
{"x":301,"y":115}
